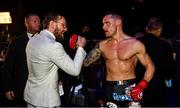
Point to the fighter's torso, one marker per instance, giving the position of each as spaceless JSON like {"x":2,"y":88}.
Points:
{"x":120,"y":58}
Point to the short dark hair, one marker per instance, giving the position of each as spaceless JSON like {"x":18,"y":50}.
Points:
{"x":154,"y":24}
{"x":115,"y":13}
{"x":30,"y":14}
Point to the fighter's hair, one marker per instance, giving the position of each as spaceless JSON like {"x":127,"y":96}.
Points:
{"x":114,"y":13}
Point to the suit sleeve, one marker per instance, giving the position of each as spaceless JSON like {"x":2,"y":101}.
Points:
{"x":64,"y":61}
{"x":8,"y":66}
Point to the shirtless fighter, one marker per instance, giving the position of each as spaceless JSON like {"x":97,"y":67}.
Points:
{"x":121,"y":53}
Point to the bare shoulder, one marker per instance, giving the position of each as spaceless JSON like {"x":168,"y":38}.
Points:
{"x":138,"y":45}
{"x":132,"y":40}
{"x":103,"y":42}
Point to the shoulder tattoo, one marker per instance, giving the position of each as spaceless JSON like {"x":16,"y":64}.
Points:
{"x":93,"y":55}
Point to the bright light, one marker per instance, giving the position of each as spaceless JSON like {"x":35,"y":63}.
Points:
{"x":5,"y":18}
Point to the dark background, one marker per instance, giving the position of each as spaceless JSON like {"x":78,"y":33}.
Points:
{"x":79,"y":12}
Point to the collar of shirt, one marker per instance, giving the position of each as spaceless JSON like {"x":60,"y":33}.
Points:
{"x":29,"y":35}
{"x":50,"y":33}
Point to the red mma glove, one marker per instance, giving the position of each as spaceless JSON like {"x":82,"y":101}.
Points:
{"x":137,"y":91}
{"x":73,"y":41}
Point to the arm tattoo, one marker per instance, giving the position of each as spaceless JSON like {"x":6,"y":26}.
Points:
{"x":93,"y":55}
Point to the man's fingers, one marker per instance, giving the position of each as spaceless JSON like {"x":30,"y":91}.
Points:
{"x":10,"y":95}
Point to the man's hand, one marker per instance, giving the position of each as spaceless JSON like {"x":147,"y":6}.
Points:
{"x":77,"y":41}
{"x":9,"y":95}
{"x":137,"y":91}
{"x":81,"y":42}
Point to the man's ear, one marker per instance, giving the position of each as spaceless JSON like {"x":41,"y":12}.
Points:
{"x":52,"y":24}
{"x":159,"y":31}
{"x":25,"y":22}
{"x":118,"y":22}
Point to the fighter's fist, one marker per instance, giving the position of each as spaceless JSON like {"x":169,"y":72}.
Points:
{"x":137,"y":91}
{"x":81,"y":41}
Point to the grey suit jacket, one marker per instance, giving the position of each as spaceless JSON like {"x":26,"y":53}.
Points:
{"x":44,"y":57}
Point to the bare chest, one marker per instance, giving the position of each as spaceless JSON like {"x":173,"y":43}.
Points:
{"x":119,"y":50}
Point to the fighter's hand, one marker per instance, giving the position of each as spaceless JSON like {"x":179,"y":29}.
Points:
{"x":9,"y":95}
{"x":137,"y":91}
{"x":81,"y":41}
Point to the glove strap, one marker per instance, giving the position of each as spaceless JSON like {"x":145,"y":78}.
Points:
{"x":143,"y":84}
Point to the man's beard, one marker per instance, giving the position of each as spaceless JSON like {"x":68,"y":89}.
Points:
{"x":59,"y":36}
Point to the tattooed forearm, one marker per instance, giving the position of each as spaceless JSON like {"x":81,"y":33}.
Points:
{"x":93,"y":55}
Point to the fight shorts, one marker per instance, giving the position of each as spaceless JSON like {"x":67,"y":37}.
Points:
{"x":118,"y":93}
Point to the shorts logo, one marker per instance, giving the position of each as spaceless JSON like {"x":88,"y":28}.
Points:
{"x":121,"y":97}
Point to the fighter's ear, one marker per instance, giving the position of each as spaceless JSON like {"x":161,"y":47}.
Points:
{"x":118,"y":22}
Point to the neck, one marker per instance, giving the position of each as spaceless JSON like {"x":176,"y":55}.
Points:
{"x":31,"y":32}
{"x":155,"y":33}
{"x":120,"y":36}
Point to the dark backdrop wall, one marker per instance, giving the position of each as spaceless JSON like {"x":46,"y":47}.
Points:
{"x":78,"y":12}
